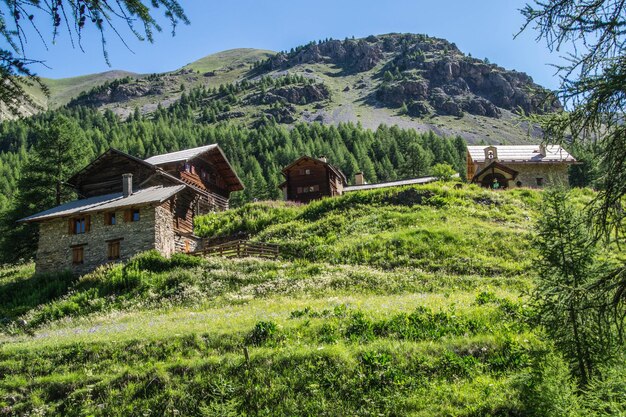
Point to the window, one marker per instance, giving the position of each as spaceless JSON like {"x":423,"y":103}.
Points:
{"x":109,"y":219}
{"x":539,"y":182}
{"x":131,"y":215}
{"x":307,"y":171}
{"x":78,"y":255}
{"x":113,"y":251}
{"x":311,"y":189}
{"x":79,"y":225}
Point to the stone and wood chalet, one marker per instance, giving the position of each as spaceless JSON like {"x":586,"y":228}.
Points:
{"x":308,"y":179}
{"x":532,"y":166}
{"x":128,"y":205}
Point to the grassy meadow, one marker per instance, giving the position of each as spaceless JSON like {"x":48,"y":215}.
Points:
{"x":397,"y":302}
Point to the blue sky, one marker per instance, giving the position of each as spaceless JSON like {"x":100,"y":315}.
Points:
{"x":484,"y":28}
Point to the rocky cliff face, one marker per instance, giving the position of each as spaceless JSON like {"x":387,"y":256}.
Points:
{"x":428,"y":75}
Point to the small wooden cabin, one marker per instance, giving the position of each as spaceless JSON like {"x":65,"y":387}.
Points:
{"x":308,"y":179}
{"x":128,"y":205}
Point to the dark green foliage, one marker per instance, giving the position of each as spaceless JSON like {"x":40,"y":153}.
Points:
{"x":606,"y":393}
{"x":58,"y":151}
{"x":570,"y":306}
{"x":546,"y":389}
{"x":592,"y":89}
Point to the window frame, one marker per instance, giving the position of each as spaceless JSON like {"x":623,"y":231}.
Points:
{"x":129,"y":215}
{"x":110,"y":218}
{"x":79,"y":225}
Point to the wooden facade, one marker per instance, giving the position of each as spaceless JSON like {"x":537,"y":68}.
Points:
{"x":308,"y":179}
{"x":103,"y":175}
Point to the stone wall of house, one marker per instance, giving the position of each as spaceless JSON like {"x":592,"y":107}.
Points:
{"x":552,"y":174}
{"x":164,"y":236}
{"x":55,"y":243}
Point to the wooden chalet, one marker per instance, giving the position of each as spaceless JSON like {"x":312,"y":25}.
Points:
{"x":308,"y":179}
{"x":128,"y":205}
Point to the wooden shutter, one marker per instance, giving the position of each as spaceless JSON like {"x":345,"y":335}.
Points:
{"x":87,"y":223}
{"x":78,"y":255}
{"x":70,"y":228}
{"x":128,"y":215}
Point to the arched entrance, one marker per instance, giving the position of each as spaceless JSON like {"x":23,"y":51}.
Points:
{"x":495,"y":171}
{"x":487,"y":180}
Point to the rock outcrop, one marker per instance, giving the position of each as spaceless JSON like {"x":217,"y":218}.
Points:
{"x":437,"y":72}
{"x":428,"y":70}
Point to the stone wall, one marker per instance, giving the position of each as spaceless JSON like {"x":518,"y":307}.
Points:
{"x":164,"y":230}
{"x":55,"y":243}
{"x":552,"y":174}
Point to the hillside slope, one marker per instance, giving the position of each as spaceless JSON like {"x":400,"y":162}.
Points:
{"x":392,"y":302}
{"x":413,"y":81}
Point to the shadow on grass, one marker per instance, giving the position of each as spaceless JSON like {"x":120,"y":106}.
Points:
{"x":22,"y":295}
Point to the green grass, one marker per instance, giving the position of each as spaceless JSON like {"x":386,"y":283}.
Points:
{"x":229,"y":58}
{"x":325,"y":331}
{"x":62,"y":90}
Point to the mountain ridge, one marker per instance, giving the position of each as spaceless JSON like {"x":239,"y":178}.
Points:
{"x":409,"y":80}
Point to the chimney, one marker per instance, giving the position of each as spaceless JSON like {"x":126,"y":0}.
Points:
{"x":542,"y":149}
{"x":323,"y":159}
{"x":359,"y":179}
{"x":127,"y":185}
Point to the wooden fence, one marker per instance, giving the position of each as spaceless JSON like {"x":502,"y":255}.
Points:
{"x":242,"y":248}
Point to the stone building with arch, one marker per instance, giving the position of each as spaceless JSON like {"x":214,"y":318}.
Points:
{"x":508,"y":166}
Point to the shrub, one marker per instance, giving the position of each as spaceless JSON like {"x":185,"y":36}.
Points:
{"x":262,"y":333}
{"x":546,"y":389}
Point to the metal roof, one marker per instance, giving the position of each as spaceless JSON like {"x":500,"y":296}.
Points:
{"x":106,"y":202}
{"x":522,"y":153}
{"x":156,"y":194}
{"x":423,"y":180}
{"x":179,"y":156}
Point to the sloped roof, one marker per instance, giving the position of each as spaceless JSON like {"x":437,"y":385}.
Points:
{"x":179,"y":156}
{"x":523,"y":154}
{"x":214,"y":154}
{"x":412,"y":181}
{"x":102,"y":159}
{"x":333,"y":168}
{"x":107,"y":202}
